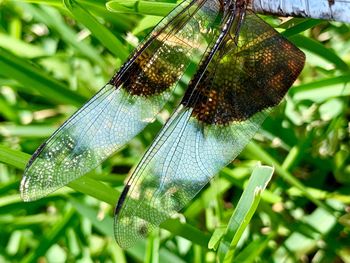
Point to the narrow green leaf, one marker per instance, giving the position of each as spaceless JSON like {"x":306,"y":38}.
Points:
{"x":320,"y":50}
{"x":323,"y":89}
{"x":36,"y":79}
{"x":254,"y":250}
{"x":8,"y":111}
{"x":14,"y":158}
{"x":97,"y":29}
{"x":27,"y":220}
{"x":147,"y":22}
{"x":296,"y":25}
{"x":121,"y":22}
{"x":140,"y":7}
{"x":20,"y":48}
{"x":95,"y":189}
{"x":152,"y":248}
{"x":216,"y":237}
{"x":187,"y":231}
{"x":244,"y":211}
{"x":28,"y":131}
{"x":48,"y":2}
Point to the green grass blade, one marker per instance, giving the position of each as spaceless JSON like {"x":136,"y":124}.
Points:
{"x":140,"y":7}
{"x":244,"y":211}
{"x":296,"y":25}
{"x":14,"y":158}
{"x":95,"y":189}
{"x":187,"y":231}
{"x":20,"y":48}
{"x":97,"y":29}
{"x":262,"y":155}
{"x":121,"y":22}
{"x":152,"y":249}
{"x":36,"y":79}
{"x":8,"y":111}
{"x":56,"y":3}
{"x":28,"y":131}
{"x":323,"y":89}
{"x":254,"y":250}
{"x":320,"y":50}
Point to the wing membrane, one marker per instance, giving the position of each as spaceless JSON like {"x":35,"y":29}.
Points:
{"x":122,"y":108}
{"x":224,"y":107}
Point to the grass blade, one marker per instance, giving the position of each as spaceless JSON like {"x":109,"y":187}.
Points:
{"x":244,"y":211}
{"x":140,"y":7}
{"x":296,"y":25}
{"x":97,"y":29}
{"x":36,"y":80}
{"x":320,"y":50}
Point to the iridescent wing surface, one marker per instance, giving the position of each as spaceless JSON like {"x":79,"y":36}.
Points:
{"x":224,"y":106}
{"x":130,"y":101}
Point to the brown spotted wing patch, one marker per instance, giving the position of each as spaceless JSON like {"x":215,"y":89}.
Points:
{"x":154,"y":72}
{"x":130,"y":101}
{"x":158,"y":67}
{"x":245,"y":77}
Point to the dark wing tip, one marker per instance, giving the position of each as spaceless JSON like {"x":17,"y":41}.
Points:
{"x":121,"y":200}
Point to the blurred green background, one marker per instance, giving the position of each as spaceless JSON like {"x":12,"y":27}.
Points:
{"x":54,"y":55}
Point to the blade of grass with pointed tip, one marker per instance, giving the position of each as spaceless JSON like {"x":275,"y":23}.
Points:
{"x":244,"y":211}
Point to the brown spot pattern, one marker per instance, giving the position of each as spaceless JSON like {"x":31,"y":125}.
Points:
{"x":245,"y":79}
{"x":160,"y":62}
{"x":153,"y":73}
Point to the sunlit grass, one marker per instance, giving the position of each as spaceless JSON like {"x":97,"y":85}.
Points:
{"x":55,"y":55}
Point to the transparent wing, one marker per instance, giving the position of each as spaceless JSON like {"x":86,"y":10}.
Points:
{"x":126,"y":105}
{"x":222,"y":110}
{"x":178,"y":165}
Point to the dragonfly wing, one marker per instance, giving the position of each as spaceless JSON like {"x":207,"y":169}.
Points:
{"x":221,"y":111}
{"x":126,"y":104}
